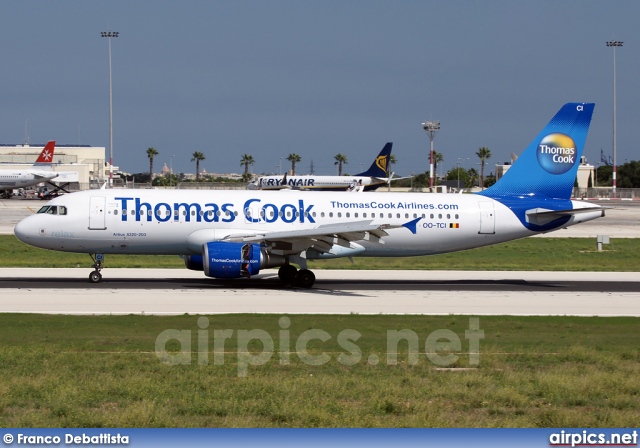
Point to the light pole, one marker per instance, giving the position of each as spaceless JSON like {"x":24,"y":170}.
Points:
{"x":280,"y":166}
{"x":614,"y":44}
{"x":458,"y":163}
{"x":431,"y":128}
{"x":109,"y":34}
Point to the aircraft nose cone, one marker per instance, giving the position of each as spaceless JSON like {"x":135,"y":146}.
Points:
{"x":23,"y":231}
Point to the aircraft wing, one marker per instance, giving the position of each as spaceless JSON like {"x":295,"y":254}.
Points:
{"x":322,"y":238}
{"x":47,"y":175}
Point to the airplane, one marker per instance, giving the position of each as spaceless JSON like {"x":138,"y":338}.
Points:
{"x":234,"y":234}
{"x":369,"y":180}
{"x":21,"y":178}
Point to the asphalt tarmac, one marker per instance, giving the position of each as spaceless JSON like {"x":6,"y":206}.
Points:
{"x":174,"y":291}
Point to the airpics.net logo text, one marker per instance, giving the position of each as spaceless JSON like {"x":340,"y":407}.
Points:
{"x":442,"y":347}
{"x":557,"y":153}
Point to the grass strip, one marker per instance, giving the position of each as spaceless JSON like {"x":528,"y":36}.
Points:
{"x":102,"y":371}
{"x":529,"y":254}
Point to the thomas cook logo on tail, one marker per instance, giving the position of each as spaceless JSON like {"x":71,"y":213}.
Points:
{"x":381,"y":162}
{"x":557,"y":153}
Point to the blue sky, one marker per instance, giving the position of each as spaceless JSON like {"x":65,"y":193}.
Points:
{"x":314,"y":78}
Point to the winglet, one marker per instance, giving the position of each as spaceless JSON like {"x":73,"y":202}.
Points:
{"x":46,"y":156}
{"x":411,"y":225}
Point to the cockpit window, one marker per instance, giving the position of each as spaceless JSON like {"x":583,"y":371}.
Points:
{"x":53,"y":210}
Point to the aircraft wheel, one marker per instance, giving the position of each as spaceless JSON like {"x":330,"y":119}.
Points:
{"x":305,"y":278}
{"x":287,"y":273}
{"x":95,"y":277}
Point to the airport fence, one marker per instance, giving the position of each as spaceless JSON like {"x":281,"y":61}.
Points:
{"x":606,"y":193}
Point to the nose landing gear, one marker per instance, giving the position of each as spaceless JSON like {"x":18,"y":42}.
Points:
{"x":96,"y":276}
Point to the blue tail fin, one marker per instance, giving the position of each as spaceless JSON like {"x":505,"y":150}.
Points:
{"x":548,"y":167}
{"x":380,"y":165}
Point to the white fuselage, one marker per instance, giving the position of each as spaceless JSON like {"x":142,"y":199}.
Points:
{"x":13,"y":179}
{"x":181,"y":221}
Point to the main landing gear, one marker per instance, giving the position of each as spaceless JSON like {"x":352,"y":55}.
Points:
{"x":290,"y":275}
{"x":96,"y":276}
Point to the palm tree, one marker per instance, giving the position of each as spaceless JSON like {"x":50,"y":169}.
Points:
{"x":197,"y":157}
{"x":293,"y":158}
{"x":472,"y":174}
{"x":340,"y":160}
{"x":246,"y":160}
{"x":437,"y":158}
{"x":151,"y":153}
{"x":484,"y":154}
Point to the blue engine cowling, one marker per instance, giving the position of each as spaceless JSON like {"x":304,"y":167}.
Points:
{"x":230,"y":260}
{"x":193,"y":262}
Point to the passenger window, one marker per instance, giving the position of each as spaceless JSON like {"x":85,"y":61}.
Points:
{"x":115,"y":212}
{"x":456,"y":216}
{"x":330,"y":214}
{"x":348,"y":215}
{"x":364,"y":215}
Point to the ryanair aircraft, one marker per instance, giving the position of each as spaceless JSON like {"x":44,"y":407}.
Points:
{"x":237,"y":233}
{"x":371,"y":179}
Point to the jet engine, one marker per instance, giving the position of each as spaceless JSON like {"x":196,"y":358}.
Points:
{"x":231,"y":260}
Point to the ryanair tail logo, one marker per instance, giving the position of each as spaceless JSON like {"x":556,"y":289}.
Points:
{"x":381,"y":162}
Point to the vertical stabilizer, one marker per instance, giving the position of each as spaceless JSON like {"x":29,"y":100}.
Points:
{"x":549,"y":165}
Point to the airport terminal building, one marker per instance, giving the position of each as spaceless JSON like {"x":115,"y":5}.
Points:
{"x":88,"y":161}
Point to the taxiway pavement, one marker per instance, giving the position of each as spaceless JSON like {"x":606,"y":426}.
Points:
{"x":173,"y":291}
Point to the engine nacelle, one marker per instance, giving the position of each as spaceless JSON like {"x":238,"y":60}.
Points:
{"x":193,"y":262}
{"x":230,"y":260}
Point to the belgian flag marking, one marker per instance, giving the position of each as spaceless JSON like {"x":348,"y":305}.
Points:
{"x":454,"y":225}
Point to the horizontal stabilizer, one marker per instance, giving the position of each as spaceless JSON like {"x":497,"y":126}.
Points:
{"x":542,"y":216}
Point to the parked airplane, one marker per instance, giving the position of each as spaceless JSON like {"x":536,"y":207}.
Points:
{"x":11,"y":179}
{"x":371,"y":179}
{"x":237,"y":233}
